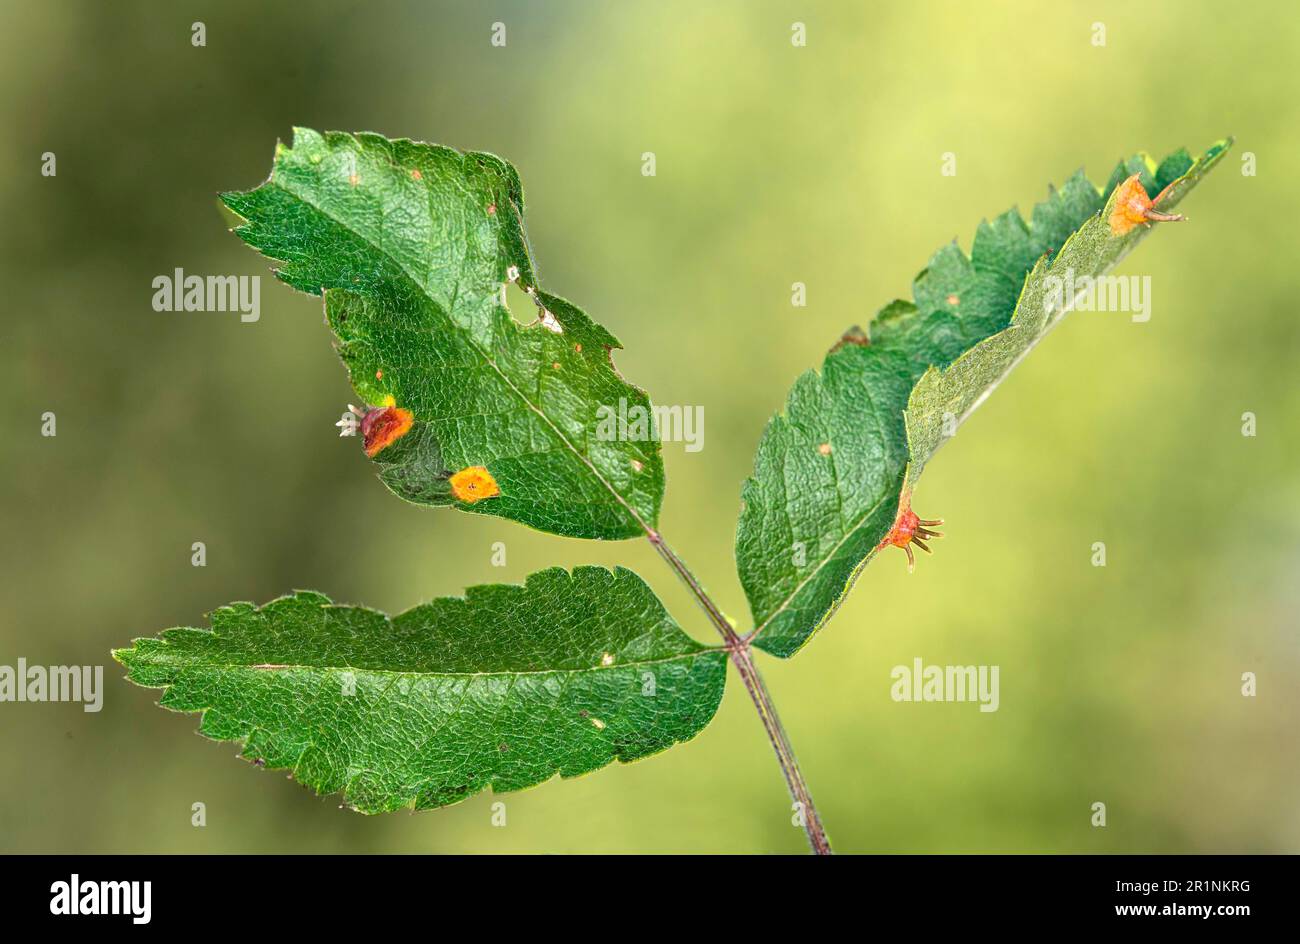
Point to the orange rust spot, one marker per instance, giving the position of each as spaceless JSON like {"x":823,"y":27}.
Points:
{"x":1133,"y":207}
{"x":416,"y":175}
{"x":555,"y":366}
{"x":354,"y":180}
{"x":953,"y":299}
{"x":474,"y":484}
{"x":384,"y":425}
{"x":577,"y":348}
{"x":492,"y":209}
{"x":824,"y":449}
{"x":379,"y":375}
{"x":908,"y":529}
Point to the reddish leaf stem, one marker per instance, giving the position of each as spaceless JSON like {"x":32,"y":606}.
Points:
{"x":742,"y":657}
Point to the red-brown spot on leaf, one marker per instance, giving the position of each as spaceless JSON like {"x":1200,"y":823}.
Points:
{"x":383,"y":426}
{"x":908,"y":529}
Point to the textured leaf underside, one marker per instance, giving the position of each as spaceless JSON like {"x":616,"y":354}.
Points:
{"x":411,"y":245}
{"x":504,"y":687}
{"x":853,"y":439}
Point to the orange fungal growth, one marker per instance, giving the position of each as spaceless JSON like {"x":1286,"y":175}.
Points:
{"x":1133,"y":207}
{"x":474,"y":484}
{"x":381,"y":426}
{"x":908,"y":529}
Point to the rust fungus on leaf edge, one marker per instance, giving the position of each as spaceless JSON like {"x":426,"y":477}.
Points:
{"x":382,"y":426}
{"x":908,"y":529}
{"x":1133,"y":207}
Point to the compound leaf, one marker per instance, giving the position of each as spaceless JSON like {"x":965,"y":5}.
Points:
{"x":504,"y":687}
{"x":837,"y":467}
{"x":411,"y":244}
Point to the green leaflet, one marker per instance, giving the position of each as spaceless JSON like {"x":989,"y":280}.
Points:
{"x":831,"y":469}
{"x":504,"y":687}
{"x":411,"y":245}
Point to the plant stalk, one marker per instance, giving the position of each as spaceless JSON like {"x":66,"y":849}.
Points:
{"x":742,"y":657}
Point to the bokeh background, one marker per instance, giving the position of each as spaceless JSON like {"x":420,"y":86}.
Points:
{"x":775,"y":164}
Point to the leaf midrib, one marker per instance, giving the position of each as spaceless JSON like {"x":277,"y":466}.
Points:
{"x":226,"y":666}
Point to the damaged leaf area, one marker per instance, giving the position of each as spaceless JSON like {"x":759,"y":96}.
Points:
{"x":411,"y":244}
{"x":474,"y":484}
{"x":832,"y":470}
{"x":504,"y":687}
{"x":384,"y":425}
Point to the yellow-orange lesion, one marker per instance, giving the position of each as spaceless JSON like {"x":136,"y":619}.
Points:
{"x":473,"y":484}
{"x":1134,"y":208}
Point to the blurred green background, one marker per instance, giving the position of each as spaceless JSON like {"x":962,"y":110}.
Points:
{"x":776,"y":164}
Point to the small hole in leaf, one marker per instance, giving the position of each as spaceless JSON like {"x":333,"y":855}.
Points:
{"x":520,"y":303}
